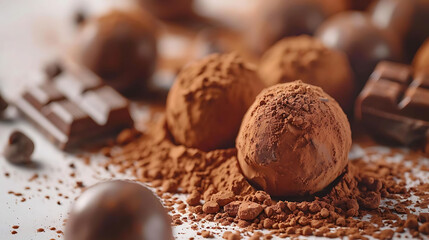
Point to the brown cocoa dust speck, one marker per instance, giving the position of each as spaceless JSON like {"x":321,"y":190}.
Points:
{"x":220,"y":193}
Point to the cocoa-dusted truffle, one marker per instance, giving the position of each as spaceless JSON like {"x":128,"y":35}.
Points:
{"x":294,"y":140}
{"x":120,"y":47}
{"x":276,"y":19}
{"x":117,"y":210}
{"x":168,"y":9}
{"x":421,"y":60}
{"x":307,"y":59}
{"x":207,"y":102}
{"x":364,"y":43}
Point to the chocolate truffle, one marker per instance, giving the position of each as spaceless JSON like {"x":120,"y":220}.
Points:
{"x":207,"y":102}
{"x":120,"y":47}
{"x":364,"y":43}
{"x":168,"y":9}
{"x":117,"y":210}
{"x":19,"y":148}
{"x":307,"y":59}
{"x":409,"y":19}
{"x":421,"y":60}
{"x":294,"y":140}
{"x":276,"y":19}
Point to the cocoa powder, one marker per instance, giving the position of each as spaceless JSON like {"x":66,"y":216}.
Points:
{"x":219,"y":192}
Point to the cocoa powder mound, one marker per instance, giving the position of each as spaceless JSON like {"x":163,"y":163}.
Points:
{"x":219,"y":192}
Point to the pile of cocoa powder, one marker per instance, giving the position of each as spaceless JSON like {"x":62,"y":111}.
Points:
{"x":219,"y":192}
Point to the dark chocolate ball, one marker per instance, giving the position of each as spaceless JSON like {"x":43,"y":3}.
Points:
{"x":117,"y":210}
{"x":168,"y":9}
{"x":409,"y":19}
{"x":120,"y":47}
{"x":364,"y":43}
{"x":276,"y":19}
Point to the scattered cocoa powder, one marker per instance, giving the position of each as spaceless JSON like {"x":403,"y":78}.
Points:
{"x":219,"y":192}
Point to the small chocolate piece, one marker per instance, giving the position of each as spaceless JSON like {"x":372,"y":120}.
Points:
{"x":276,"y":19}
{"x":395,"y":106}
{"x":169,"y":9}
{"x":291,"y":142}
{"x":421,"y":60}
{"x":3,"y":105}
{"x":409,"y":19}
{"x":117,"y":210}
{"x":19,"y":148}
{"x":53,"y":69}
{"x":364,"y":43}
{"x":120,"y":47}
{"x":76,"y":108}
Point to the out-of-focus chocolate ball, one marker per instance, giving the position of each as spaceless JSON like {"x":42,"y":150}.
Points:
{"x":207,"y":102}
{"x":275,"y":19}
{"x":294,"y":140}
{"x":117,"y":210}
{"x":306,"y":58}
{"x":168,"y":9}
{"x":421,"y":61}
{"x":409,"y":19}
{"x":120,"y":47}
{"x":364,"y":43}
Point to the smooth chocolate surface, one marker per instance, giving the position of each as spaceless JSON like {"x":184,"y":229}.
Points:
{"x":363,"y":42}
{"x":117,"y":210}
{"x":75,"y":108}
{"x":394,"y":105}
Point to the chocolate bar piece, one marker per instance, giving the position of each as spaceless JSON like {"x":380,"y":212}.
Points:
{"x":394,"y":104}
{"x":75,"y":108}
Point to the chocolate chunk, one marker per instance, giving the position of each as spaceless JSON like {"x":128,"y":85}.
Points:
{"x":19,"y":148}
{"x":3,"y":105}
{"x":76,"y":108}
{"x":394,"y":105}
{"x":53,"y":69}
{"x":118,"y":210}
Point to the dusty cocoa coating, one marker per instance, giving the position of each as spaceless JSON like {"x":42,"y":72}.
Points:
{"x":117,"y":210}
{"x":421,"y":60}
{"x":207,"y":102}
{"x":363,"y":42}
{"x":307,"y":59}
{"x":276,"y":19}
{"x":120,"y":47}
{"x":168,"y":9}
{"x":294,"y":140}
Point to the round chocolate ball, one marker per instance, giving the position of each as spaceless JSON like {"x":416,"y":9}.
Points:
{"x":294,"y":140}
{"x":120,"y":47}
{"x":168,"y":9}
{"x":307,"y":59}
{"x":364,"y":43}
{"x":276,"y":19}
{"x":117,"y":210}
{"x":421,"y":61}
{"x":409,"y":19}
{"x":208,"y":100}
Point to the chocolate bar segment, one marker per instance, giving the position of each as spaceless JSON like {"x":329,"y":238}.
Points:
{"x":395,"y":106}
{"x":75,"y":108}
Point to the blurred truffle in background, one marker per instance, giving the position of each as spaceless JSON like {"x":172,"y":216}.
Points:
{"x":275,"y":19}
{"x":207,"y":102}
{"x":120,"y":47}
{"x":409,"y":19}
{"x":421,"y":60}
{"x":168,"y":9}
{"x":117,"y":210}
{"x":306,"y":58}
{"x":363,"y":42}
